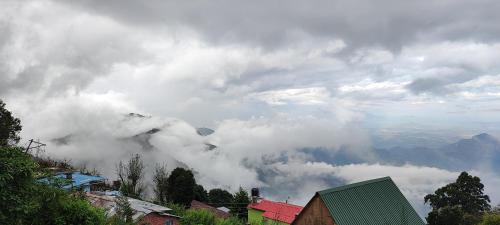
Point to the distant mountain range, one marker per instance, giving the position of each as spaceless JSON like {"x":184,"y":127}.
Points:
{"x":481,"y":151}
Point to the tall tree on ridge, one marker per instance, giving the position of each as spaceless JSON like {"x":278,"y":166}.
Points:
{"x":160,"y":180}
{"x":463,"y":200}
{"x":200,"y":194}
{"x":219,"y":197}
{"x":181,"y":185}
{"x":9,"y":127}
{"x":240,"y":202}
{"x":131,"y":175}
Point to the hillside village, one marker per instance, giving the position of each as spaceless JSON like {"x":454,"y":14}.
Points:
{"x":379,"y":199}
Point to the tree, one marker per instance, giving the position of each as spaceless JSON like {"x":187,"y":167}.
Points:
{"x":200,"y":194}
{"x":124,"y":212}
{"x":131,"y":175}
{"x":240,"y":203}
{"x":160,"y":180}
{"x":181,"y":185}
{"x":9,"y":127}
{"x":464,"y":197}
{"x":448,"y":215}
{"x":16,"y":185}
{"x":219,"y":197}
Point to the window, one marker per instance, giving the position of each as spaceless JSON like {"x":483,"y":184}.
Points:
{"x":169,"y":222}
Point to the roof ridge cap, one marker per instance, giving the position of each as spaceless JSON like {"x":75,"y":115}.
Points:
{"x":282,"y":203}
{"x":354,"y":185}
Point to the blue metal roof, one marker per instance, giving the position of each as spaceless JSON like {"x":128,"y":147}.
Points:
{"x":78,"y":179}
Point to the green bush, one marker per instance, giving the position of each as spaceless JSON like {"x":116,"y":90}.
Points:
{"x":491,"y":219}
{"x":16,"y":185}
{"x":204,"y":217}
{"x":25,"y":201}
{"x":198,"y":217}
{"x":230,"y":221}
{"x":177,"y":209}
{"x":77,"y":211}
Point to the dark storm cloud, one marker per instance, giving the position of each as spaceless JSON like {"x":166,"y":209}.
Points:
{"x":27,"y":80}
{"x":389,"y":23}
{"x":422,"y":85}
{"x":4,"y":33}
{"x":440,"y":85}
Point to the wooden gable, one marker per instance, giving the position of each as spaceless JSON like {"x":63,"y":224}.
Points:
{"x":315,"y":213}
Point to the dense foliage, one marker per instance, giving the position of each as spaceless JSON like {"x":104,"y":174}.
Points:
{"x":181,"y":184}
{"x":200,"y":194}
{"x":9,"y":127}
{"x":196,"y":217}
{"x":459,"y":203}
{"x":25,"y":201}
{"x":491,"y":219}
{"x":56,"y":206}
{"x":16,"y":185}
{"x":219,"y":198}
{"x":240,"y":202}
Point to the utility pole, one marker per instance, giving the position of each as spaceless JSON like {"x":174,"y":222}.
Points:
{"x":37,"y":146}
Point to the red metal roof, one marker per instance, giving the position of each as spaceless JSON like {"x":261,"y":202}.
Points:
{"x":279,"y":211}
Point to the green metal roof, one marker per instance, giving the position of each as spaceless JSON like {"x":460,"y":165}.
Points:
{"x":372,"y":202}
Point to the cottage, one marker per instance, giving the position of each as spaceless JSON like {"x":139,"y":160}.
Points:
{"x":217,"y":212}
{"x":372,"y":202}
{"x":76,"y":180}
{"x":270,"y":212}
{"x":143,"y":212}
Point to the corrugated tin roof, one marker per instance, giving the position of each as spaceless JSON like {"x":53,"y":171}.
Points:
{"x":279,"y":211}
{"x":223,"y":209}
{"x":140,"y":208}
{"x":372,"y":202}
{"x":78,"y":179}
{"x":218,"y":213}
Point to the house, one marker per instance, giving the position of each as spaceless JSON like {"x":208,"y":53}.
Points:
{"x":143,"y":212}
{"x":225,"y":209}
{"x":271,"y":212}
{"x":155,"y":218}
{"x":372,"y":202}
{"x":217,"y":212}
{"x":76,"y":180}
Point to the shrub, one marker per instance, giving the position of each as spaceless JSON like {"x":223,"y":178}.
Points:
{"x":197,"y":217}
{"x":491,"y":219}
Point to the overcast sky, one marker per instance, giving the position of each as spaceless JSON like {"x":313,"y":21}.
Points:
{"x":271,"y":70}
{"x":206,"y":61}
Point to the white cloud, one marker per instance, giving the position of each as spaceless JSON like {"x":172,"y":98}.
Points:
{"x":300,"y":96}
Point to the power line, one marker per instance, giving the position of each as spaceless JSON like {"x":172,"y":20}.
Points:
{"x":38,"y":146}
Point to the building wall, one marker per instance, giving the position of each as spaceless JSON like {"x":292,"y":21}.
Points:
{"x":255,"y":218}
{"x":156,"y":219}
{"x":315,"y":213}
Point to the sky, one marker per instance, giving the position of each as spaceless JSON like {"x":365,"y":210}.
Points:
{"x":270,"y":77}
